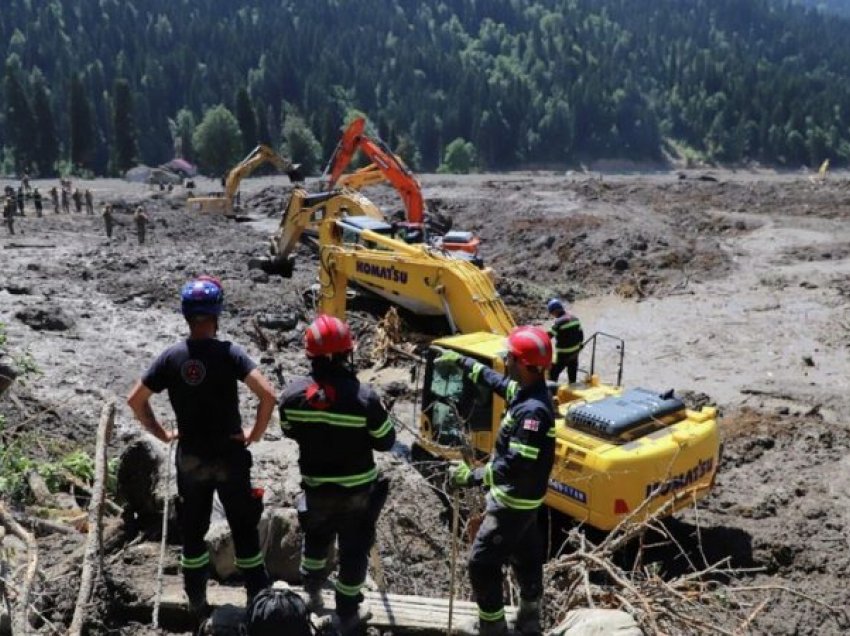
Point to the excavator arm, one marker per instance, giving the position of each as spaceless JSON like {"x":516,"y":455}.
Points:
{"x":257,"y":157}
{"x":223,"y":204}
{"x":305,"y":212}
{"x":415,"y":277}
{"x":384,"y":161}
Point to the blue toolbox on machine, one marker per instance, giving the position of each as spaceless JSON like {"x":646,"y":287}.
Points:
{"x":627,"y":416}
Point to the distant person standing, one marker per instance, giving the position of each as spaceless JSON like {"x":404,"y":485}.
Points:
{"x":9,"y":214}
{"x":54,"y":196}
{"x":36,"y":199}
{"x":78,"y":200}
{"x":66,"y":200}
{"x":108,"y":220}
{"x":89,"y":202}
{"x":568,"y":337}
{"x":21,"y":201}
{"x":25,"y":182}
{"x":141,"y":219}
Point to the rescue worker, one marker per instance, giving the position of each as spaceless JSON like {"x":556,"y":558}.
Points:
{"x":78,"y":200}
{"x":25,"y":181}
{"x":337,"y":423}
{"x":36,"y":199}
{"x":54,"y":196}
{"x":20,"y":197}
{"x":201,"y":374}
{"x":108,"y":220}
{"x":9,"y":214}
{"x":66,"y":205}
{"x":141,"y":219}
{"x":568,"y":337}
{"x":517,"y":475}
{"x":89,"y":202}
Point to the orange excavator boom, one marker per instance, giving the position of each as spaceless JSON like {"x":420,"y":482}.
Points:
{"x":390,"y":165}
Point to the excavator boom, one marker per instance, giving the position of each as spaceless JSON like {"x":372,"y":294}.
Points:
{"x":385,"y":161}
{"x":223,"y":204}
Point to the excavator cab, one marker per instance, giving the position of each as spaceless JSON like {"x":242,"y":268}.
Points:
{"x":617,"y":452}
{"x":456,"y":406}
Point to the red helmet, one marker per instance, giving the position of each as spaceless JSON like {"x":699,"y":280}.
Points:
{"x":326,"y":336}
{"x":531,"y":346}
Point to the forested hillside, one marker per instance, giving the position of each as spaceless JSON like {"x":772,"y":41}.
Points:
{"x":838,"y":7}
{"x":525,"y":82}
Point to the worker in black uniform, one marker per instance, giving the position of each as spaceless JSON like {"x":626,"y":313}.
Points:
{"x":337,"y":423}
{"x":200,"y":374}
{"x":517,"y":476}
{"x":568,"y":336}
{"x":36,"y":199}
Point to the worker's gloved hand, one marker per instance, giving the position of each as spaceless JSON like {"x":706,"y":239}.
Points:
{"x":448,"y":357}
{"x":460,"y":476}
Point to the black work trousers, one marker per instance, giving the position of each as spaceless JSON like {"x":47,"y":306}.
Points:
{"x":568,"y":361}
{"x":229,"y":474}
{"x":349,"y":518}
{"x":512,"y":537}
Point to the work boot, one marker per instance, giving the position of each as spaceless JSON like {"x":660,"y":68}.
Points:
{"x":195,"y":586}
{"x":256,"y":580}
{"x":353,"y":624}
{"x":483,"y":628}
{"x":528,"y":617}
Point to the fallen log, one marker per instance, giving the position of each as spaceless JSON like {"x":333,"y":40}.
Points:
{"x":94,"y":540}
{"x":20,"y":615}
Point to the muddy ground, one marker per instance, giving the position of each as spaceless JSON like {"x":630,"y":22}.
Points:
{"x":731,"y":287}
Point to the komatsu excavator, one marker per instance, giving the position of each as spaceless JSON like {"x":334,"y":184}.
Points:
{"x":387,"y":166}
{"x":619,"y":453}
{"x":223,"y":203}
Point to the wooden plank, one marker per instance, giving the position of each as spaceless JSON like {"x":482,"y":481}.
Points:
{"x":402,"y":613}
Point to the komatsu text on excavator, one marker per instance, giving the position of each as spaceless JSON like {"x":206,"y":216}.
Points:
{"x":618,"y":452}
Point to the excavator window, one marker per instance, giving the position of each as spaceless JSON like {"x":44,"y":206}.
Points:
{"x":455,"y":405}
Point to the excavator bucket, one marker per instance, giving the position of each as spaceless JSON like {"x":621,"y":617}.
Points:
{"x":294,"y":173}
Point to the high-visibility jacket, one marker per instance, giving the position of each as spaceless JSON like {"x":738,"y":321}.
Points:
{"x":518,"y":471}
{"x":337,"y":423}
{"x":566,"y":334}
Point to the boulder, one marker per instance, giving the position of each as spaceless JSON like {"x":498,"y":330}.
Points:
{"x":597,"y":622}
{"x":280,"y":538}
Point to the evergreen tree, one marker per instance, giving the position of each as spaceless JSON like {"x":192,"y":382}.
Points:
{"x":182,"y":128}
{"x":217,"y":142}
{"x":301,"y":145}
{"x":459,"y":157}
{"x":263,"y":134}
{"x":125,"y":151}
{"x":82,"y":127}
{"x":20,"y":122}
{"x":47,"y":141}
{"x":247,"y":120}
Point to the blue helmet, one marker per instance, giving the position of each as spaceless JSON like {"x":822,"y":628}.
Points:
{"x":203,"y":296}
{"x":554,"y":305}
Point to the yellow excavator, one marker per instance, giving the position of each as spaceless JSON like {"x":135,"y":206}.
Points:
{"x":223,"y":203}
{"x":619,"y":452}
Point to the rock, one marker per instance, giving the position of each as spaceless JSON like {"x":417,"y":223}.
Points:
{"x":45,"y":319}
{"x":141,"y":483}
{"x":621,"y":264}
{"x":283,"y":322}
{"x":8,"y":373}
{"x":597,"y":622}
{"x":280,"y":537}
{"x":808,"y":361}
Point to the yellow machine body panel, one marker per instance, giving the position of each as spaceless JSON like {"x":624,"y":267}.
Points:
{"x":596,"y":480}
